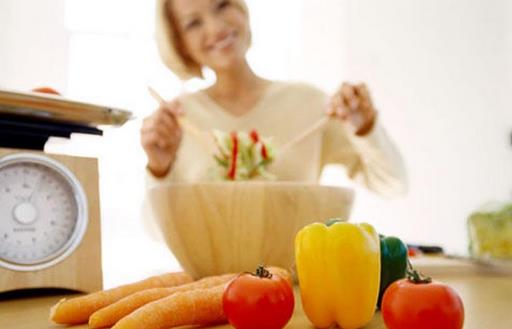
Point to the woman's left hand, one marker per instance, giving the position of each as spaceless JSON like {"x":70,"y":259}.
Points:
{"x":353,"y":104}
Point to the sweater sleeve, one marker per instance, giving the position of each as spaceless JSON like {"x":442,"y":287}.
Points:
{"x":371,"y":160}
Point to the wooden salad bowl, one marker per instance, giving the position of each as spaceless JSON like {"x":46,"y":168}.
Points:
{"x":230,"y":227}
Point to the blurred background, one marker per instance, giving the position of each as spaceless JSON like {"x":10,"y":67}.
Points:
{"x":440,"y":72}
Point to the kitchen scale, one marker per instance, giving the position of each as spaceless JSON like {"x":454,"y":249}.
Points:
{"x":49,"y":204}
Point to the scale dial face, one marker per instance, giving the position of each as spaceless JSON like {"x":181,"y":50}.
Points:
{"x":43,"y":212}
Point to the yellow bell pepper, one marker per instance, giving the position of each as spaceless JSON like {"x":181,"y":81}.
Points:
{"x":338,"y":269}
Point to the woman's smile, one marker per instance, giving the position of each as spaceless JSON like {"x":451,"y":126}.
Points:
{"x":224,"y":41}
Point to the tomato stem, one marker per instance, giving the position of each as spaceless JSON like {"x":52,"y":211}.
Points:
{"x":415,"y":276}
{"x":262,"y":272}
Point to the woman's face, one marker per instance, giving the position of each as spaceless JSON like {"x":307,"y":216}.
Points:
{"x":213,"y":33}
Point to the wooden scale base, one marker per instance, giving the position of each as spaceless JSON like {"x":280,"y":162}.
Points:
{"x":81,"y":270}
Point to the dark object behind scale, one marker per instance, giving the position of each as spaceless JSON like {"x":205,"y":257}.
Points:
{"x":25,"y":132}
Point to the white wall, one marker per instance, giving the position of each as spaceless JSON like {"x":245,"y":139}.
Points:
{"x":440,"y":75}
{"x":33,"y":44}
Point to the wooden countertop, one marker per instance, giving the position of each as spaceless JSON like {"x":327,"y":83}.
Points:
{"x":487,"y":301}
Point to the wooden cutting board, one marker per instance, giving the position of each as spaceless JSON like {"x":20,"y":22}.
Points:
{"x":32,"y":313}
{"x":487,"y":301}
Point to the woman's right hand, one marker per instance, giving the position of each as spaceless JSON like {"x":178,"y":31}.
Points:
{"x":160,"y":137}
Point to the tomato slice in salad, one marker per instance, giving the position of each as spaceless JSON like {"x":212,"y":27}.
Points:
{"x":234,"y":156}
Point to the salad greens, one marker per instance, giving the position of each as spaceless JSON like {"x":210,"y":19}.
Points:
{"x":242,"y":155}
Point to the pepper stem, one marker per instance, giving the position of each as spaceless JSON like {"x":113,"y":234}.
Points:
{"x":262,"y":272}
{"x":416,"y":277}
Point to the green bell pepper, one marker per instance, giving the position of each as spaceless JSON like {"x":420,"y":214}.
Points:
{"x":393,"y":258}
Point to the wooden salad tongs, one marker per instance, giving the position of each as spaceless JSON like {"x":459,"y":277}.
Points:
{"x":204,"y":137}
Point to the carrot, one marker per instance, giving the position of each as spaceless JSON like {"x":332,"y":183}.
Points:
{"x":194,"y":307}
{"x":77,"y":310}
{"x":109,"y":315}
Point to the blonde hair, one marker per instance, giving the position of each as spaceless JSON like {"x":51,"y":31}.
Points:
{"x":168,"y":43}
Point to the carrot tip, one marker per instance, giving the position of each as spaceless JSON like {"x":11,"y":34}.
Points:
{"x":53,"y":311}
{"x":94,"y":323}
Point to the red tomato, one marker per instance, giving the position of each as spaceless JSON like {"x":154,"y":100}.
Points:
{"x":261,"y":301}
{"x":46,"y":90}
{"x":431,"y":305}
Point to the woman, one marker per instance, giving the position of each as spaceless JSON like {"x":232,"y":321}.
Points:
{"x":193,"y":34}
